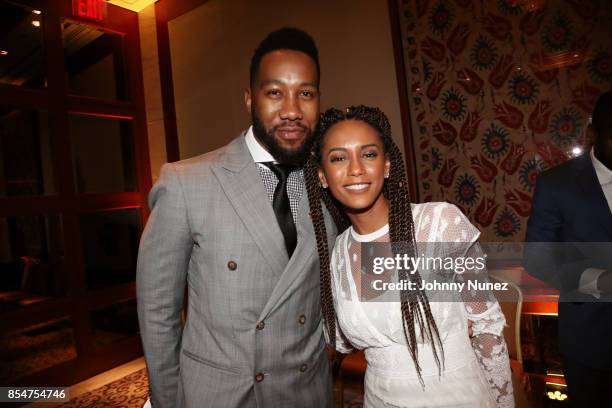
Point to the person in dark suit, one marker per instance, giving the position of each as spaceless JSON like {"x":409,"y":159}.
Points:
{"x":569,"y":245}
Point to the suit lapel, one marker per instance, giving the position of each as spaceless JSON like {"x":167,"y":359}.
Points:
{"x":588,"y":181}
{"x":302,"y":257}
{"x":239,"y":178}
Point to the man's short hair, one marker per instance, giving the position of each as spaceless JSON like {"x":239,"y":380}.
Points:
{"x":602,"y":114}
{"x":287,"y":38}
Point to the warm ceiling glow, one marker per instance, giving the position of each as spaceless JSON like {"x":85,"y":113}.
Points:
{"x":36,"y":23}
{"x":3,"y":52}
{"x":134,"y":5}
{"x":37,"y":12}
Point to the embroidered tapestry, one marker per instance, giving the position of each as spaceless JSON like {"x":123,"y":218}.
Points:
{"x":500,"y":90}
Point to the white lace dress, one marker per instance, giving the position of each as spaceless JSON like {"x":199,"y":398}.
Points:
{"x":476,"y":371}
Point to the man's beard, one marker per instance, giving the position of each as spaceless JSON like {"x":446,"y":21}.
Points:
{"x":282,"y":155}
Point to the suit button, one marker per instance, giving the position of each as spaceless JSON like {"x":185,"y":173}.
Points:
{"x":302,"y":319}
{"x":231,"y":265}
{"x":260,"y":325}
{"x":303,"y":367}
{"x":259,"y":377}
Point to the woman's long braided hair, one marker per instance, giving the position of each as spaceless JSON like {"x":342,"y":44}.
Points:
{"x":415,"y":306}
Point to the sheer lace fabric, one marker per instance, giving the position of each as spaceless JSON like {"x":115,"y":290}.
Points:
{"x":475,"y":370}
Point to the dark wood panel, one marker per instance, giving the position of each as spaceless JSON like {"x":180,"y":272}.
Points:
{"x":36,"y":313}
{"x":402,"y":90}
{"x":76,"y":283}
{"x":112,"y":356}
{"x":86,"y":105}
{"x":24,"y":98}
{"x":141,"y":140}
{"x":35,"y":205}
{"x":67,"y":203}
{"x":105,"y":201}
{"x":32,"y":205}
{"x":100,"y":298}
{"x":167,"y":89}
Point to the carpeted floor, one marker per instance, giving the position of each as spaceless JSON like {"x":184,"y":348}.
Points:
{"x":31,"y":349}
{"x":131,"y":392}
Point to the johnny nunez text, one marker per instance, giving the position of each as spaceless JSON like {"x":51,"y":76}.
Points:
{"x":378,"y":284}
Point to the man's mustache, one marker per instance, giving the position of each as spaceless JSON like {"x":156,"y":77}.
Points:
{"x":290,"y":125}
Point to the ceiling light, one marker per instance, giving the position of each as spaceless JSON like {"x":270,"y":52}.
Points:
{"x":3,"y":52}
{"x":134,"y":5}
{"x":576,"y":151}
{"x":36,"y":23}
{"x":37,"y":12}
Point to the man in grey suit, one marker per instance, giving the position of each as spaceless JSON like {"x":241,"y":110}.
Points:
{"x":232,"y":227}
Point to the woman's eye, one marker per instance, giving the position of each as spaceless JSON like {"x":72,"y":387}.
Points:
{"x":370,"y":155}
{"x":334,"y":159}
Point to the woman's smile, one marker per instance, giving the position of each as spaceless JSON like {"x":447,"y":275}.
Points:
{"x":357,"y":187}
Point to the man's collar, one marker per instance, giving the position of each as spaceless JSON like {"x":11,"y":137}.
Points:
{"x":258,"y":152}
{"x":604,"y":174}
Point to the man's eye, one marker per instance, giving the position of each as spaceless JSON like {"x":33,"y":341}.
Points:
{"x":273,"y":92}
{"x":307,"y":94}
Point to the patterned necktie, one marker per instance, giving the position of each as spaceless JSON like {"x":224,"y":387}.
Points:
{"x":282,"y":208}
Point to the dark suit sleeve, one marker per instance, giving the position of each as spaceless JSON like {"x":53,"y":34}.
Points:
{"x":163,"y":258}
{"x":543,"y":232}
{"x":546,"y":256}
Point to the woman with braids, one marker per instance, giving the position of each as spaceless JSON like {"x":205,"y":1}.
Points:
{"x":418,"y":351}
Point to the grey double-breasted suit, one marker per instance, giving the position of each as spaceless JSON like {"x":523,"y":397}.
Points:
{"x":253,"y":335}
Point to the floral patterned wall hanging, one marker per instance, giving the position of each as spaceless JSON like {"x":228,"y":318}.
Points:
{"x":500,"y":90}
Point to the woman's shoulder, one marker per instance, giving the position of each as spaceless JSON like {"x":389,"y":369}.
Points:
{"x":443,"y":221}
{"x":341,"y":238}
{"x":435,"y":207}
{"x":343,"y":234}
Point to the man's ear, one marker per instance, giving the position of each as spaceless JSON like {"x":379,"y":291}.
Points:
{"x":247,"y":99}
{"x":322,"y":179}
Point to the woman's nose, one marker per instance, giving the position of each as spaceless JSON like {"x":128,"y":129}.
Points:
{"x":356,"y":168}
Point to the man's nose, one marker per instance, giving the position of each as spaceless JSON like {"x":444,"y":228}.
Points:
{"x":291,"y":109}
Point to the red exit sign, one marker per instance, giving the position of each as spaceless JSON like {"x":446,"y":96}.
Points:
{"x":89,"y":9}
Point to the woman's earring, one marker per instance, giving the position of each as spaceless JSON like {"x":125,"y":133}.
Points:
{"x":324,"y":185}
{"x":387,"y":175}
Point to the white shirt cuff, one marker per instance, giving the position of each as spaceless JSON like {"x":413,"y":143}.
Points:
{"x":588,"y":282}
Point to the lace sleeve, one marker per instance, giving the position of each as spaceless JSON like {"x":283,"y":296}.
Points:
{"x":484,"y":311}
{"x":488,"y":341}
